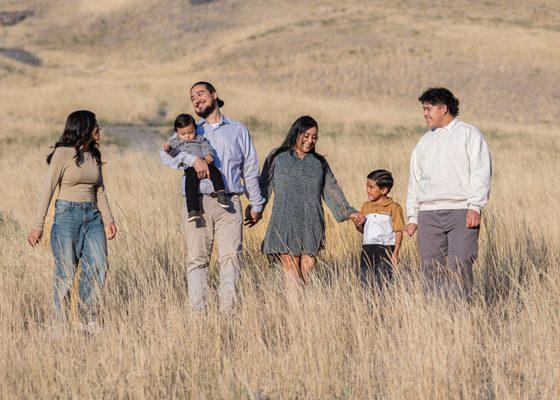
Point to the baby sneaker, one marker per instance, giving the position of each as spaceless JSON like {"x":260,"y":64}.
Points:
{"x":223,"y":200}
{"x":193,"y":216}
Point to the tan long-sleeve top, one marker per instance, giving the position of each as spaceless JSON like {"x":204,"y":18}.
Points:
{"x":77,"y":183}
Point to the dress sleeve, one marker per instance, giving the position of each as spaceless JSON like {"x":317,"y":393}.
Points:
{"x":334,"y":197}
{"x":102,"y":202}
{"x":266,"y":179}
{"x":54,"y":176}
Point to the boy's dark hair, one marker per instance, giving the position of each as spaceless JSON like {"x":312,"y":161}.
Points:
{"x":183,"y":120}
{"x":382,"y":178}
{"x":211,"y":89}
{"x":441,"y":95}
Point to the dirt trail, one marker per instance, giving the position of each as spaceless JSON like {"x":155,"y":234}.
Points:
{"x":137,"y":137}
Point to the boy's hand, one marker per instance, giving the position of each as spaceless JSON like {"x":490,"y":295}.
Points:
{"x":357,"y":218}
{"x":209,"y":159}
{"x":410,"y":229}
{"x":395,"y":258}
{"x":166,"y":147}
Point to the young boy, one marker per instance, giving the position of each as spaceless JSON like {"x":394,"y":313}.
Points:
{"x":383,"y":230}
{"x":188,"y":141}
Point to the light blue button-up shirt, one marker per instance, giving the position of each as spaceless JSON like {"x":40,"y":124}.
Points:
{"x":234,"y":155}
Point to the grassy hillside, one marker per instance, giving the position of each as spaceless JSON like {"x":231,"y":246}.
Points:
{"x":358,"y":67}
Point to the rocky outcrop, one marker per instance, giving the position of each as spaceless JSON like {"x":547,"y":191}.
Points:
{"x":20,"y":55}
{"x":10,"y":18}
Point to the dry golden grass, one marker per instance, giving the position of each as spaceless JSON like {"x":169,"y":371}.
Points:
{"x":357,"y":68}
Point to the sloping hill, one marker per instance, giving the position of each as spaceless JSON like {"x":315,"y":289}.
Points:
{"x":502,"y":60}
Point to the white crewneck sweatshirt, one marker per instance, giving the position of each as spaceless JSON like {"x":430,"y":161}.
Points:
{"x":450,"y":168}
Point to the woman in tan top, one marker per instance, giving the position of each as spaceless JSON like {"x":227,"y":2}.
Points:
{"x":79,"y":234}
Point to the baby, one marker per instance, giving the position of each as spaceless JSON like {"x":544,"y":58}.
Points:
{"x":188,"y":141}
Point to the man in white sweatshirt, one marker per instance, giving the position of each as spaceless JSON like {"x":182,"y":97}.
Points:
{"x":448,"y":186}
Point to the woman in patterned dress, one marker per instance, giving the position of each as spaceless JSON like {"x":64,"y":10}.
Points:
{"x":300,"y":179}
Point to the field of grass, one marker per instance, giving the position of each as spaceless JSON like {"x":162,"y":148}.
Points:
{"x":357,"y":68}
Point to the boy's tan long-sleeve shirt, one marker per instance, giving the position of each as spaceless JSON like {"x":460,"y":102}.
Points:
{"x":77,"y":183}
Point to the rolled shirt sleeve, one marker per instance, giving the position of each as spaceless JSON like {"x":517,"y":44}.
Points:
{"x":250,"y":172}
{"x":334,"y":197}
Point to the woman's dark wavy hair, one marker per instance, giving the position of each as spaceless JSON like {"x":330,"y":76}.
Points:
{"x":441,"y":95}
{"x":211,"y":89}
{"x":78,"y":131}
{"x":299,"y":126}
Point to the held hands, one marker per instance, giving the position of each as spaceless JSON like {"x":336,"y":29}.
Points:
{"x":357,"y":218}
{"x":473,"y":219}
{"x":251,"y":217}
{"x":35,"y":236}
{"x":209,"y":159}
{"x":110,"y":230}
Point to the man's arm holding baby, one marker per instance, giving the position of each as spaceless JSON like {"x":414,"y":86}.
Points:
{"x":184,"y":160}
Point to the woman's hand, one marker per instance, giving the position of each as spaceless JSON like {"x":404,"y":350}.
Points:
{"x":34,"y":236}
{"x":110,"y":230}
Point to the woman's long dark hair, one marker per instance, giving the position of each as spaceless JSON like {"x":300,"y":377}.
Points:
{"x":78,"y":131}
{"x":299,"y":126}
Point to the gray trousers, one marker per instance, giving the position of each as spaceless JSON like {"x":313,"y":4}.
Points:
{"x":225,"y":226}
{"x":448,"y":250}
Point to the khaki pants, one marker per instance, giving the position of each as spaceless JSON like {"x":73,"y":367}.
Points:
{"x":225,"y":226}
{"x":448,"y":250}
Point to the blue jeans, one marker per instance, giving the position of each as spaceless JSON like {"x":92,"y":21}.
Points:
{"x":78,"y":240}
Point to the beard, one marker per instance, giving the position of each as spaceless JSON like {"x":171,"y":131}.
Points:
{"x":207,"y":111}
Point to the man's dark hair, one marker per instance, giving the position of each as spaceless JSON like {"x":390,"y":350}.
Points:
{"x":211,"y":89}
{"x":382,"y":178}
{"x":441,"y":95}
{"x":183,"y":120}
